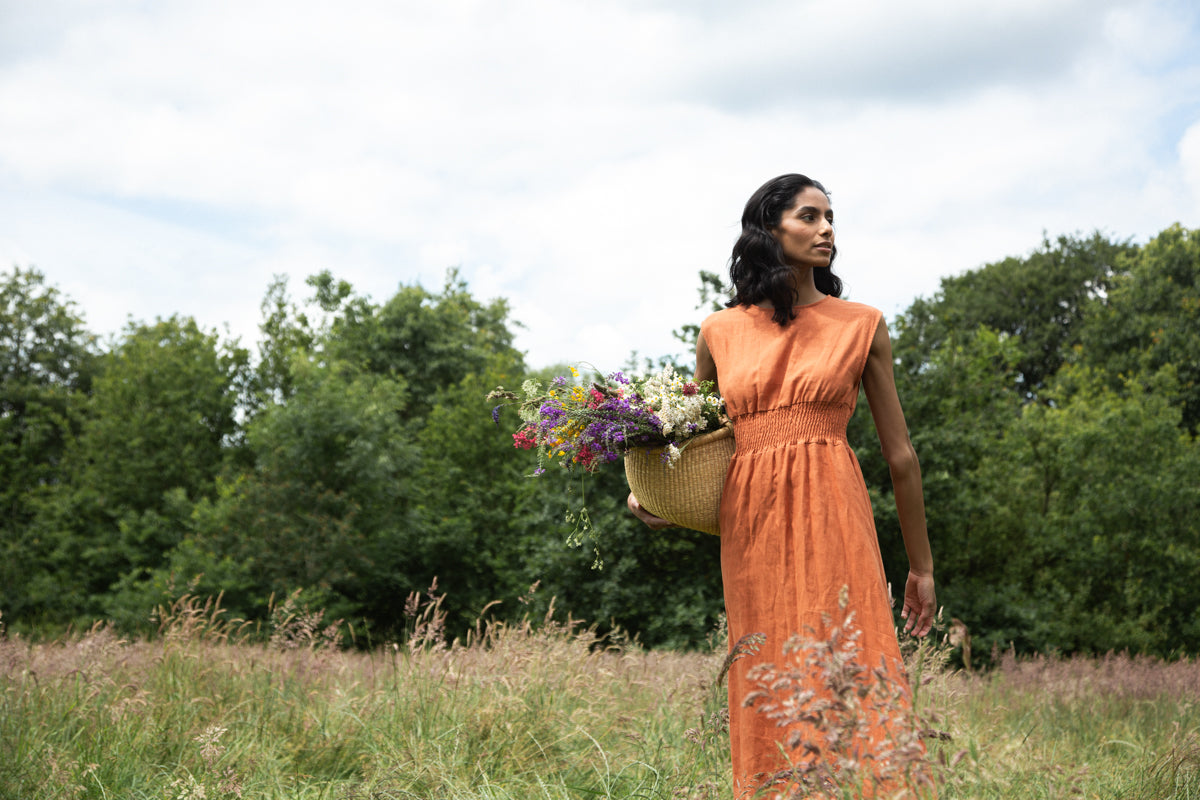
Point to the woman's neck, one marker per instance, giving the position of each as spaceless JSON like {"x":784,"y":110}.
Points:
{"x":804,"y":289}
{"x":804,"y":286}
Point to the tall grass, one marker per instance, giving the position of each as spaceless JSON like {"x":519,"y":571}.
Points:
{"x":1049,"y":727}
{"x":213,"y":708}
{"x":546,"y":710}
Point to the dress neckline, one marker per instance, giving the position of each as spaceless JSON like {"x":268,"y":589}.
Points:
{"x":794,"y":308}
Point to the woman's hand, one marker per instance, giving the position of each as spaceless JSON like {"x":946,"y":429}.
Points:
{"x":652,"y":522}
{"x":920,"y":604}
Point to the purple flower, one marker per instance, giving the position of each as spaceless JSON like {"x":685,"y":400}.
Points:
{"x":496,"y":415}
{"x":619,"y":377}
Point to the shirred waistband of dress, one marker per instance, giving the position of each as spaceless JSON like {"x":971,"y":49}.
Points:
{"x":813,"y":421}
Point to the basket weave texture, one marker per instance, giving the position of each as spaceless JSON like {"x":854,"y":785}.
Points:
{"x":688,"y":494}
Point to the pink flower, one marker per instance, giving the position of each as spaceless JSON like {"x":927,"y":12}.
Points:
{"x":690,"y":389}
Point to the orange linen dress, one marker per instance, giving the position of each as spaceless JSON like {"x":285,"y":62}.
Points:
{"x":796,"y":521}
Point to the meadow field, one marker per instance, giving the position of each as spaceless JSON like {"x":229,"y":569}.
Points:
{"x":213,"y":708}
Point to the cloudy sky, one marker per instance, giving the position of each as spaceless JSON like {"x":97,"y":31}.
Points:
{"x":583,"y":160}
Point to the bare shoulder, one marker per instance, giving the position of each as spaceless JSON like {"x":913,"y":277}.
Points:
{"x":879,"y":355}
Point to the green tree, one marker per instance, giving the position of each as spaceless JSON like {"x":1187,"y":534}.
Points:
{"x":1039,"y":301}
{"x":286,"y":334}
{"x":361,"y":488}
{"x":1150,"y":320}
{"x":47,"y":360}
{"x":428,"y":340}
{"x":158,"y":423}
{"x":163,"y":409}
{"x":329,"y":489}
{"x":1063,"y":523}
{"x":1089,"y":542}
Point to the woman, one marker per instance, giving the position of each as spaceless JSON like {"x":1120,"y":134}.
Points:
{"x":796,"y":524}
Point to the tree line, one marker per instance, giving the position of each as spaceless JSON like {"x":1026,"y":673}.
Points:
{"x":1053,"y":398}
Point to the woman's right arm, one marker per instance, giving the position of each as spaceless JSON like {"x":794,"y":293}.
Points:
{"x":879,"y":383}
{"x":706,"y":367}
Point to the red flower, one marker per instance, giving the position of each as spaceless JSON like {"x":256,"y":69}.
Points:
{"x":586,"y":456}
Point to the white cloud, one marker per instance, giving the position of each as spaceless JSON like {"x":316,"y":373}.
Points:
{"x":1189,"y":162}
{"x":582,"y":160}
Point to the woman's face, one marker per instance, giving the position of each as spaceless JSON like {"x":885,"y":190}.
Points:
{"x":805,"y":231}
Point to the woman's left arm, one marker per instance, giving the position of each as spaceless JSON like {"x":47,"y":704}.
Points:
{"x":879,"y":383}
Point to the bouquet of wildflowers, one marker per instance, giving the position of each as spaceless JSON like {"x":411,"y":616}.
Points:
{"x":573,"y":424}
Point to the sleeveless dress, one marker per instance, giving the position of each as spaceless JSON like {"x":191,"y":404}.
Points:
{"x":796,"y":520}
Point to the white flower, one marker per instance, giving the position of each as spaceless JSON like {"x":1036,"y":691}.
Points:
{"x":678,"y":412}
{"x":672,"y":454}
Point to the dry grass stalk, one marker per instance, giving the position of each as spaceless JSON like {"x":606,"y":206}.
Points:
{"x":195,"y":619}
{"x":293,"y":625}
{"x":427,"y":619}
{"x":850,"y":728}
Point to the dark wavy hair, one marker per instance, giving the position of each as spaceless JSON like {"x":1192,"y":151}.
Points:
{"x":757,"y":270}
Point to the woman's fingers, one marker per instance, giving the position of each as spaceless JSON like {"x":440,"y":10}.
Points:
{"x":651,"y":521}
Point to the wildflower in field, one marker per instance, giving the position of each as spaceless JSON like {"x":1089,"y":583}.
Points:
{"x":188,"y":788}
{"x":210,"y":744}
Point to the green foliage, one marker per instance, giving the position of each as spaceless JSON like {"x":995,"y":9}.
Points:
{"x":1090,"y":531}
{"x":161,"y":413}
{"x":1053,"y":399}
{"x":1151,"y":320}
{"x":327,"y":492}
{"x":1049,"y":400}
{"x":286,"y":334}
{"x":47,"y":360}
{"x":665,"y":587}
{"x":430,"y":341}
{"x":1039,"y":301}
{"x":957,"y":399}
{"x":158,"y":428}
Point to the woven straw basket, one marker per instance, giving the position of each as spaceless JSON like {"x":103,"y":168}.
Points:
{"x":688,"y":494}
